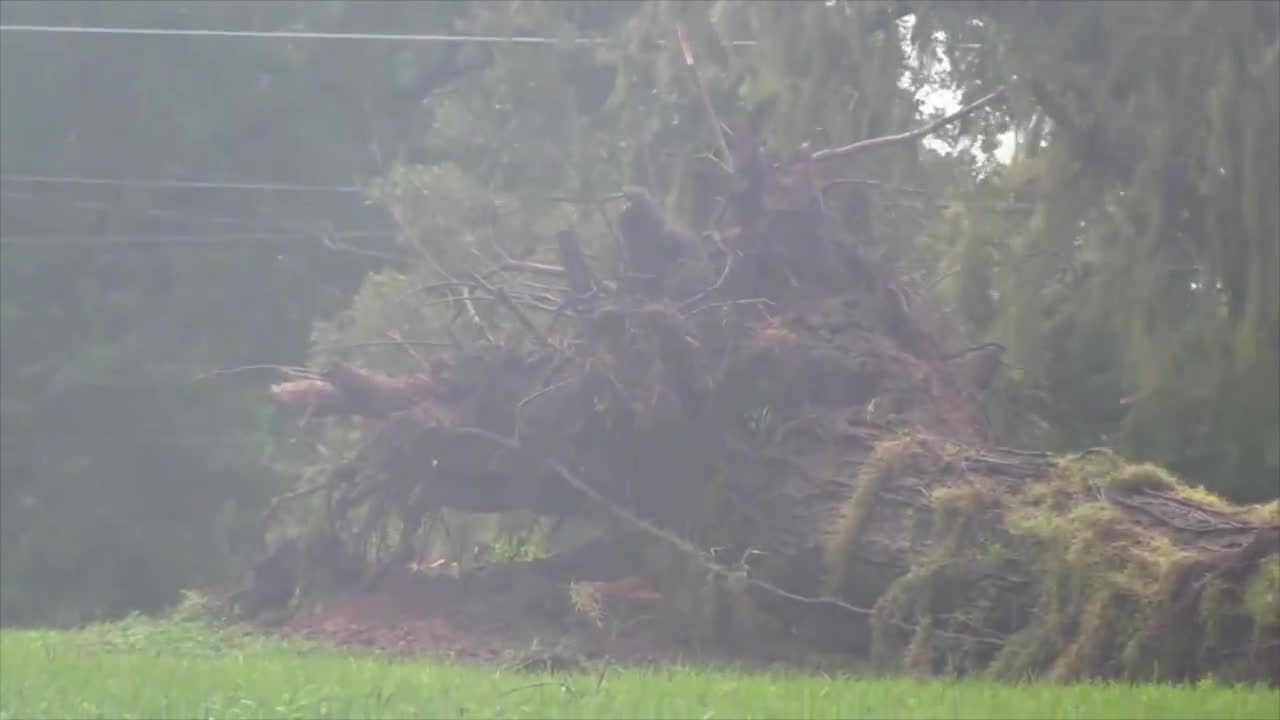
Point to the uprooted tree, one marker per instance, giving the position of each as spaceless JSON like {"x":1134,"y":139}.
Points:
{"x":768,"y":428}
{"x":767,"y":416}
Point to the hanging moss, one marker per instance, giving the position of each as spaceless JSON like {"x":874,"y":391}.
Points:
{"x":907,"y":603}
{"x":949,"y":580}
{"x":1262,"y":596}
{"x":1035,"y":645}
{"x":963,"y":499}
{"x":1219,"y":602}
{"x":1119,"y":579}
{"x":1106,"y":593}
{"x":1146,"y":476}
{"x":920,"y":657}
{"x":888,"y":459}
{"x":1141,"y":477}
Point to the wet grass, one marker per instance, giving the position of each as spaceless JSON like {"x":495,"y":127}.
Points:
{"x":146,"y":669}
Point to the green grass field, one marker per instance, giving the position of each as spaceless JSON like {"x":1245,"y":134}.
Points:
{"x":145,"y":669}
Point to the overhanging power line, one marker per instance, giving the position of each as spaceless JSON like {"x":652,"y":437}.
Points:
{"x":201,"y":239}
{"x":162,"y":183}
{"x":302,"y":35}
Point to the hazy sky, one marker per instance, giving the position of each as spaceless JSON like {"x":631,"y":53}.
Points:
{"x":938,"y":98}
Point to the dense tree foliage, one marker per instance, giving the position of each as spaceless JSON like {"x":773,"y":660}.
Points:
{"x":1140,"y":298}
{"x":123,"y":479}
{"x":1127,"y":253}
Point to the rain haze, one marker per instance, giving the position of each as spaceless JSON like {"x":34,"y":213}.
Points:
{"x":639,"y":359}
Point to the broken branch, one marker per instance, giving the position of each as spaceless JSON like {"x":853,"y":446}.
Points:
{"x":873,"y":143}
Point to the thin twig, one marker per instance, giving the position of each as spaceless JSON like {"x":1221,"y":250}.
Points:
{"x":330,"y":240}
{"x":941,"y":276}
{"x":715,"y":160}
{"x":724,"y":274}
{"x":501,"y":296}
{"x":286,"y":369}
{"x":475,"y":317}
{"x":542,"y":392}
{"x":384,"y":343}
{"x":564,"y":687}
{"x":433,"y":286}
{"x":604,"y":669}
{"x":544,"y":287}
{"x":793,"y":424}
{"x":449,"y":301}
{"x":394,"y":335}
{"x":729,"y":303}
{"x":706,"y":99}
{"x":269,"y":515}
{"x":1028,"y":453}
{"x":306,"y":417}
{"x":617,"y":236}
{"x":295,"y":494}
{"x":529,"y":302}
{"x":586,"y":200}
{"x":970,"y":350}
{"x":873,"y":143}
{"x":526,"y":266}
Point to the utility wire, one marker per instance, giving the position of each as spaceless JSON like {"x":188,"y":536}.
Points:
{"x":149,"y":212}
{"x":202,"y":239}
{"x":160,"y":183}
{"x":299,"y":35}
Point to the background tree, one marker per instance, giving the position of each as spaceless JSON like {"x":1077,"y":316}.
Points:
{"x":1139,"y":300}
{"x":123,"y":480}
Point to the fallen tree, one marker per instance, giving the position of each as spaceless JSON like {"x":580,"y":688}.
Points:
{"x":781,"y":445}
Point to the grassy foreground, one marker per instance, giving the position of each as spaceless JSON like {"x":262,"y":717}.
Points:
{"x":146,"y":669}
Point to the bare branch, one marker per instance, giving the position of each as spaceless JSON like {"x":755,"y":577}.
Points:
{"x":277,"y":501}
{"x":475,"y":317}
{"x":529,"y":267}
{"x":731,"y":303}
{"x":330,"y":240}
{"x":294,"y":371}
{"x":910,"y":135}
{"x":542,"y":392}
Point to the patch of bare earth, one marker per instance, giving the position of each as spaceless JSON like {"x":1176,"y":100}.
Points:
{"x":499,"y":616}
